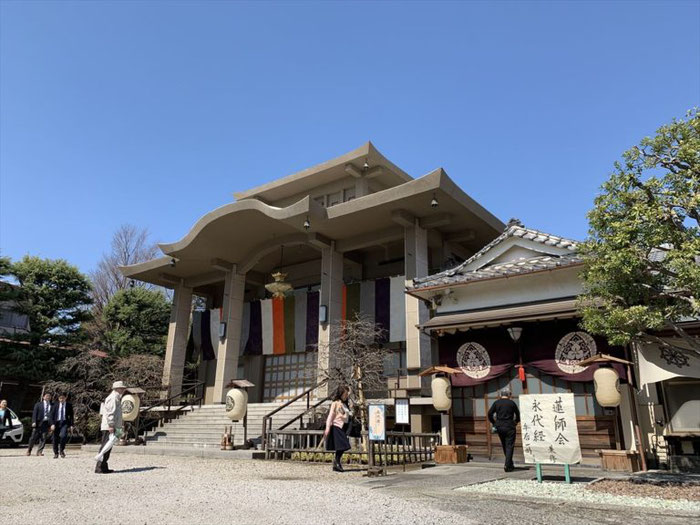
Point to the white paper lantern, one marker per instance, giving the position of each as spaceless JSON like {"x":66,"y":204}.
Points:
{"x":607,"y":387}
{"x":130,"y":407}
{"x":442,"y":393}
{"x":236,"y":403}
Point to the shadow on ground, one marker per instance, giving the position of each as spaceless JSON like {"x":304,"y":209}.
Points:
{"x":136,"y":469}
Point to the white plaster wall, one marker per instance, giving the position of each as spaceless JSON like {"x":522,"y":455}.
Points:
{"x":542,"y":286}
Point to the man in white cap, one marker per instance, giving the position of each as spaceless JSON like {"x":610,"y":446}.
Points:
{"x":111,"y":422}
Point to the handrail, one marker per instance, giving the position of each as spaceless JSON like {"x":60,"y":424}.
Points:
{"x":312,"y":407}
{"x":267,"y":418}
{"x":169,"y":402}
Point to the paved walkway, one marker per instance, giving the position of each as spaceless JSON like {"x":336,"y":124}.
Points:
{"x":173,"y":490}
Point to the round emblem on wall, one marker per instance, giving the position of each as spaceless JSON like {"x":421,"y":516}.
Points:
{"x":573,"y":348}
{"x":474,"y":360}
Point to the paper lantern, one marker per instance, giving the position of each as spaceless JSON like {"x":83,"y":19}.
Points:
{"x":607,"y":387}
{"x":130,"y":407}
{"x":236,"y":403}
{"x":442,"y":393}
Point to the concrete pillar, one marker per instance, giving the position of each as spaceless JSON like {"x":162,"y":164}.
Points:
{"x":418,"y":354}
{"x":229,"y":346}
{"x":176,"y":344}
{"x":331,"y":296}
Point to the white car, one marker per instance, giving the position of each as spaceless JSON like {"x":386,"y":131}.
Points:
{"x":13,"y":436}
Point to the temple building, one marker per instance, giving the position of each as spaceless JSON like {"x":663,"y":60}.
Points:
{"x":342,"y":237}
{"x":508,"y":317}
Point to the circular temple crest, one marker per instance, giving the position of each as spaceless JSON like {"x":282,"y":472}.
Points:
{"x":573,"y":348}
{"x":474,"y":360}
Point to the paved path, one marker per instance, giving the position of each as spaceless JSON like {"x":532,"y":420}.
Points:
{"x":174,"y":490}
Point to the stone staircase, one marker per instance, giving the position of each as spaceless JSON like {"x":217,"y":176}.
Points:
{"x":203,"y":426}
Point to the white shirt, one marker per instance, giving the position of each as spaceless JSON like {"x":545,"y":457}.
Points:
{"x":61,"y":411}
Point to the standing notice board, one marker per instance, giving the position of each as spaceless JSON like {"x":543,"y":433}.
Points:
{"x":377,"y":422}
{"x":402,"y":412}
{"x":549,"y":431}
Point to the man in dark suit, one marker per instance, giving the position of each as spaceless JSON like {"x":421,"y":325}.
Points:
{"x":40,"y":424}
{"x":60,"y":419}
{"x":505,"y":416}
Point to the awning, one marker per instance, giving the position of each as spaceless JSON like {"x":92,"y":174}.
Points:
{"x":449,"y":323}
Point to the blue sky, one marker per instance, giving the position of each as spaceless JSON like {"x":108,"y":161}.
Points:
{"x":153,"y":113}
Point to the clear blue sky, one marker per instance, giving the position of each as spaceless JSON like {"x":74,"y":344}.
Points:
{"x":154,"y":113}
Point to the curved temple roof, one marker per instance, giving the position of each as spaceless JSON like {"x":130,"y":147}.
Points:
{"x":235,"y":232}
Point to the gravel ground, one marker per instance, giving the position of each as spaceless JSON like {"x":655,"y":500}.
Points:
{"x":578,"y":493}
{"x":646,"y":490}
{"x":164,"y":489}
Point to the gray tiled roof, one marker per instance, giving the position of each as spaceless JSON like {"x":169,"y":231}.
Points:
{"x":515,"y":228}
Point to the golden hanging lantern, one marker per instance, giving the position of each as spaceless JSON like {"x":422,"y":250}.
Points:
{"x":278,"y":287}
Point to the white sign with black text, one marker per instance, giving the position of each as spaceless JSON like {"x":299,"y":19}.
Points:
{"x":549,"y":431}
{"x":402,"y":412}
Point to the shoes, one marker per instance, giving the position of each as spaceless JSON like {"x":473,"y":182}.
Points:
{"x":337,"y":467}
{"x":107,"y":471}
{"x":39,"y":453}
{"x":55,"y":456}
{"x":63,"y":454}
{"x":98,"y":468}
{"x":508,"y":469}
{"x":29,"y":452}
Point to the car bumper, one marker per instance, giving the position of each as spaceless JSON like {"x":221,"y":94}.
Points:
{"x":14,"y":435}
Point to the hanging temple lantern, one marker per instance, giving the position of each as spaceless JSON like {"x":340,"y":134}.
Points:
{"x":279,"y":287}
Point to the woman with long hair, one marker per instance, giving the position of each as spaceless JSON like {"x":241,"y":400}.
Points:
{"x":335,"y":436}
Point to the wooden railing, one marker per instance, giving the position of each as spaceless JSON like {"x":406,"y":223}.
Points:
{"x":399,"y":448}
{"x":168,"y":408}
{"x":267,"y":418}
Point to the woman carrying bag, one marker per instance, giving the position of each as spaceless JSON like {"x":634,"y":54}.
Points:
{"x":334,"y":435}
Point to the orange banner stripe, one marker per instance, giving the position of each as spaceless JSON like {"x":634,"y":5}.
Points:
{"x":278,"y":325}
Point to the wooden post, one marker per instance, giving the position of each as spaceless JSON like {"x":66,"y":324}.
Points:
{"x":635,"y":416}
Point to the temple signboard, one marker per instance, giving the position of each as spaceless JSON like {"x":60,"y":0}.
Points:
{"x":549,"y":432}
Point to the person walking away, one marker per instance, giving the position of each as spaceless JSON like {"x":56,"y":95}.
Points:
{"x":504,"y":415}
{"x":335,"y":436}
{"x":61,"y":420}
{"x":111,"y":422}
{"x":40,"y":425}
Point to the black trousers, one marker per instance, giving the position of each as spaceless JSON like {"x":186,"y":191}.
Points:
{"x":105,"y":459}
{"x":39,"y":434}
{"x":60,"y":436}
{"x":507,"y":436}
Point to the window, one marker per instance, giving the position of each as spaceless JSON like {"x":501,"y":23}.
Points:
{"x":348,"y":194}
{"x":287,"y":376}
{"x":334,"y":198}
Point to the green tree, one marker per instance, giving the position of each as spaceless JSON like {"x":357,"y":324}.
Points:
{"x":137,"y":322}
{"x":642,"y":257}
{"x":55,"y":296}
